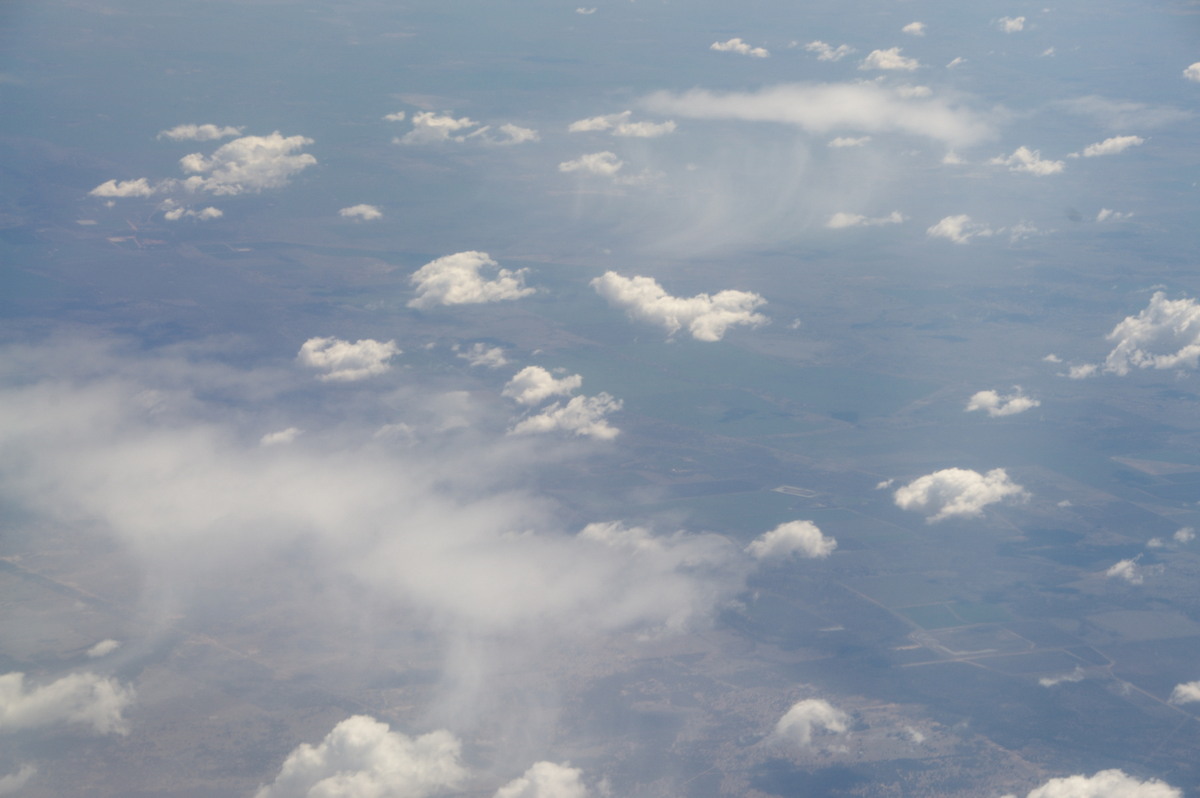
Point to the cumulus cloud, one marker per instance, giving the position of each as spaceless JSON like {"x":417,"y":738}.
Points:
{"x":82,"y":699}
{"x":364,"y":212}
{"x":173,"y":211}
{"x":1077,"y":675}
{"x":515,"y":134}
{"x":280,"y":437}
{"x":889,"y":59}
{"x":957,"y":492}
{"x":997,"y":404}
{"x":1131,"y":571}
{"x":604,"y":164}
{"x":1109,"y":215}
{"x":398,"y":116}
{"x":103,"y":648}
{"x":620,"y":125}
{"x":363,"y":758}
{"x":914,"y":29}
{"x":13,"y":783}
{"x":738,"y":46}
{"x":199,"y":132}
{"x":841,"y":220}
{"x":848,"y":141}
{"x":1011,"y":24}
{"x":533,"y":385}
{"x":793,"y":537}
{"x":1110,"y":146}
{"x":1184,"y":535}
{"x":1186,"y":693}
{"x":1082,"y":371}
{"x":1029,"y":161}
{"x":343,"y":361}
{"x":959,"y":229}
{"x":1165,"y":335}
{"x":123,"y":188}
{"x":481,"y":354}
{"x":584,"y":416}
{"x":1105,"y":784}
{"x":456,"y":280}
{"x":823,"y":108}
{"x":826,"y":52}
{"x":248,"y":164}
{"x":432,"y":128}
{"x":705,"y":316}
{"x":546,"y":780}
{"x":808,"y":716}
{"x":1192,"y":72}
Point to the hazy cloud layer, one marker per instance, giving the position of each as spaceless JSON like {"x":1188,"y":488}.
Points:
{"x":13,"y":783}
{"x":1165,"y":335}
{"x":546,"y":780}
{"x":812,"y":715}
{"x":957,"y":492}
{"x":343,"y":361}
{"x":793,"y":537}
{"x":457,"y":280}
{"x":997,"y":404}
{"x":79,"y":699}
{"x":705,"y":316}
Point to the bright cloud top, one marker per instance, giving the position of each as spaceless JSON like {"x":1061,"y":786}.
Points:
{"x":199,"y":132}
{"x":957,"y":492}
{"x":457,"y":280}
{"x":808,"y":716}
{"x":363,"y":758}
{"x":82,"y":699}
{"x":824,"y":108}
{"x":793,"y":537}
{"x":1105,"y":784}
{"x":1192,"y":72}
{"x":546,"y":780}
{"x":1110,"y":146}
{"x":365,"y":212}
{"x":705,"y":316}
{"x":619,"y":124}
{"x":534,"y":384}
{"x":583,"y":416}
{"x":248,"y":164}
{"x":1011,"y":24}
{"x":123,"y":188}
{"x":1129,"y":570}
{"x":826,"y":52}
{"x":889,"y":60}
{"x":1029,"y":161}
{"x":998,"y":405}
{"x":738,"y":46}
{"x":914,"y":29}
{"x":1165,"y":335}
{"x":842,"y":220}
{"x":1186,"y":693}
{"x":959,"y":229}
{"x":343,"y":361}
{"x":604,"y":164}
{"x":433,"y":128}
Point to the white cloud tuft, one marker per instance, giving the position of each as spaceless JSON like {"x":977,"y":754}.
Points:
{"x":793,"y":537}
{"x":399,"y":116}
{"x":959,"y":229}
{"x":997,"y":405}
{"x":605,"y":164}
{"x":584,"y":416}
{"x":123,"y":188}
{"x":805,"y":717}
{"x":533,"y":385}
{"x":827,"y":52}
{"x":1130,"y":571}
{"x":594,"y":123}
{"x":173,"y":211}
{"x":848,"y":141}
{"x":1184,"y":535}
{"x":1105,"y":784}
{"x":1185,"y":693}
{"x":84,"y":699}
{"x":705,"y":316}
{"x":1082,"y":371}
{"x":841,"y":220}
{"x":957,"y":492}
{"x":1109,"y":215}
{"x":280,"y":437}
{"x":546,"y":780}
{"x":365,"y":212}
{"x":456,"y":280}
{"x":103,"y":648}
{"x":1111,"y":146}
{"x":1192,"y":72}
{"x":619,"y":125}
{"x":13,"y":783}
{"x":343,"y":361}
{"x":483,"y":355}
{"x":1011,"y":24}
{"x":736,"y":45}
{"x":432,"y":128}
{"x":585,"y":11}
{"x":248,"y":164}
{"x":1030,"y":161}
{"x":199,"y":133}
{"x":1165,"y":335}
{"x":515,"y":134}
{"x":889,"y":59}
{"x":914,"y":29}
{"x":644,"y":130}
{"x":1077,"y":675}
{"x":363,"y":758}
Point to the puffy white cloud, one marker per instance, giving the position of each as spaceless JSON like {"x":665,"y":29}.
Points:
{"x":533,"y":385}
{"x":841,"y":220}
{"x":84,"y":699}
{"x":705,"y":316}
{"x":1001,"y":405}
{"x":363,"y":758}
{"x":515,"y":134}
{"x":481,"y":354}
{"x":1109,"y":215}
{"x":803,"y":537}
{"x":398,"y":116}
{"x":1105,"y":784}
{"x":1011,"y":24}
{"x":103,"y":648}
{"x":1076,"y":675}
{"x":957,"y":492}
{"x":432,"y":128}
{"x":123,"y":188}
{"x":1192,"y":72}
{"x":585,"y":11}
{"x":822,"y":108}
{"x":1186,"y":693}
{"x":546,"y":780}
{"x":199,"y":132}
{"x":456,"y":280}
{"x":280,"y":437}
{"x":826,"y":52}
{"x":605,"y":164}
{"x":736,"y":45}
{"x":849,"y":141}
{"x":1184,"y":535}
{"x":1110,"y":146}
{"x":343,"y":361}
{"x":889,"y":59}
{"x":1082,"y":371}
{"x":1030,"y":161}
{"x":959,"y":229}
{"x":248,"y":164}
{"x":585,"y":416}
{"x":364,"y":212}
{"x":914,"y":29}
{"x":1165,"y":335}
{"x":808,"y":716}
{"x":173,"y":211}
{"x":13,"y":783}
{"x":1131,"y":572}
{"x":594,"y":123}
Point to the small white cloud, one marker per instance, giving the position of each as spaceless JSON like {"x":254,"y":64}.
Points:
{"x":515,"y":134}
{"x":483,"y":355}
{"x":199,"y":132}
{"x":736,"y":45}
{"x":594,"y":123}
{"x":364,"y":212}
{"x":793,"y":537}
{"x":959,"y":229}
{"x":1105,"y":784}
{"x":1107,"y":215}
{"x":705,"y":316}
{"x":248,"y":164}
{"x":1192,"y":73}
{"x":1155,"y":543}
{"x":583,"y":415}
{"x":585,"y":11}
{"x":13,"y":783}
{"x":842,"y":220}
{"x":281,"y":437}
{"x":432,"y":128}
{"x":103,"y":648}
{"x":456,"y":280}
{"x":1048,"y":52}
{"x":533,"y":385}
{"x":83,"y":699}
{"x":546,"y":780}
{"x":173,"y":211}
{"x":343,"y":361}
{"x":1110,"y":146}
{"x":1184,"y":535}
{"x":952,"y":158}
{"x":399,"y":116}
{"x":1166,"y":335}
{"x":1011,"y":24}
{"x":605,"y":164}
{"x":1129,"y":570}
{"x":1052,"y":358}
{"x":889,"y":59}
{"x":957,"y":61}
{"x":1185,"y":693}
{"x":957,"y":492}
{"x":827,"y":52}
{"x":914,"y":29}
{"x":644,"y":130}
{"x":1001,"y":405}
{"x":885,"y":484}
{"x":1076,"y":675}
{"x":123,"y":188}
{"x":808,"y":716}
{"x":849,"y":141}
{"x":363,"y":758}
{"x":1030,"y":161}
{"x":1082,"y":371}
